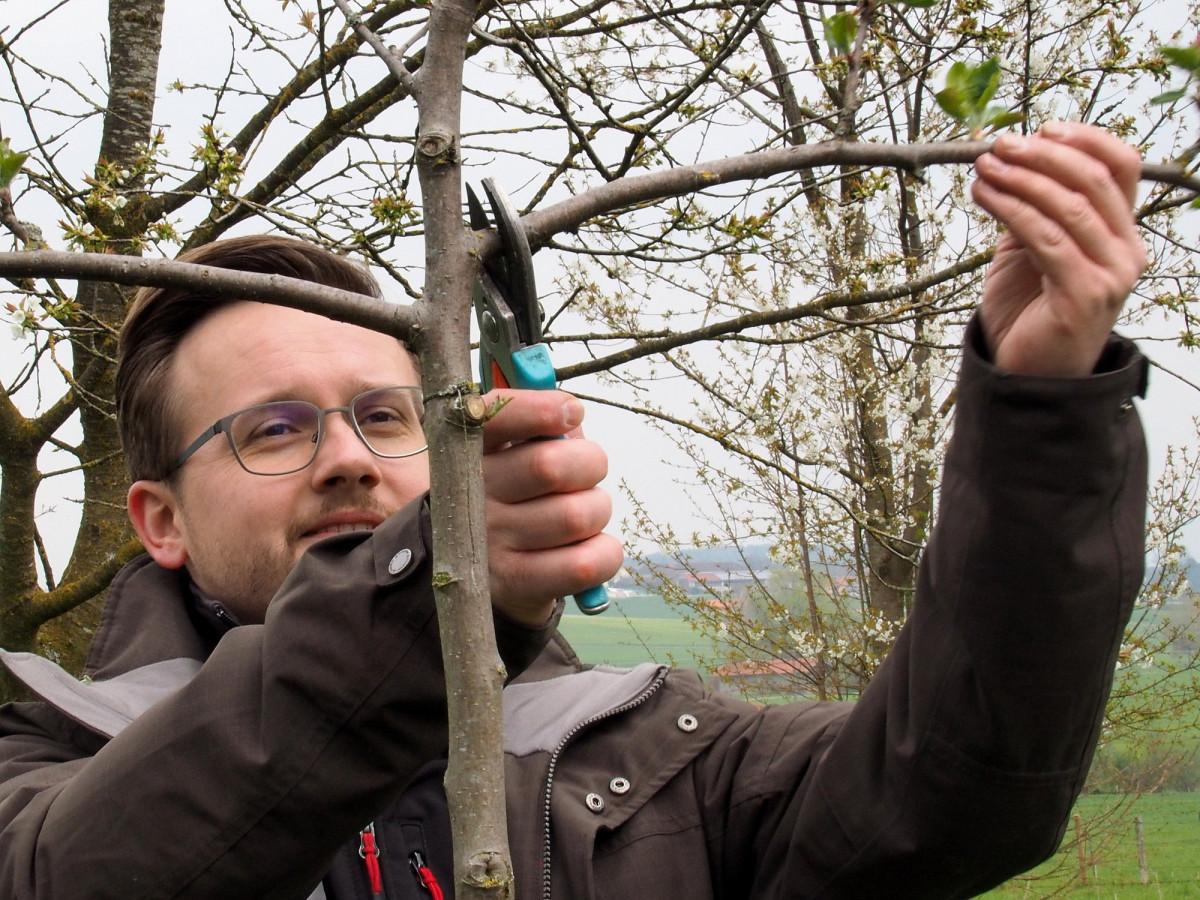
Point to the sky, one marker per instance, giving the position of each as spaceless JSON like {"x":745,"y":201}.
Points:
{"x":639,"y":455}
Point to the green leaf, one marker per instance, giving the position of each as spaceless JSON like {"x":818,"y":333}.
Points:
{"x":997,"y":117}
{"x":968,"y":90}
{"x":984,"y":82}
{"x":957,"y":78}
{"x":1182,"y":57}
{"x":917,"y":4}
{"x":953,"y":103}
{"x":1170,"y":96}
{"x":840,"y":30}
{"x":10,"y":163}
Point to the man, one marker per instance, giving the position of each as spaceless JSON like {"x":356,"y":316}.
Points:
{"x":266,"y":708}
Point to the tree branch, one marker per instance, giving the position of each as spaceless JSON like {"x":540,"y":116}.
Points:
{"x":345,"y":306}
{"x":393,"y":62}
{"x":277,"y":104}
{"x":540,"y":226}
{"x":69,"y":595}
{"x":634,"y":190}
{"x":474,"y":779}
{"x":838,"y":300}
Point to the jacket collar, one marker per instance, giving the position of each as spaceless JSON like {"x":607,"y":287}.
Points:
{"x":151,"y":613}
{"x":145,"y":620}
{"x":105,"y":707}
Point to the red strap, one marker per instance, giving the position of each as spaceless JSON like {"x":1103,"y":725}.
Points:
{"x":370,"y":856}
{"x":430,"y":883}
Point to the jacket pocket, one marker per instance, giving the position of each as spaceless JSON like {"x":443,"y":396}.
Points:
{"x":417,"y":855}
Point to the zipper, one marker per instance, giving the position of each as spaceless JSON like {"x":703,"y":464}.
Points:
{"x":369,"y":851}
{"x":625,"y":707}
{"x":425,"y":876}
{"x":225,"y":616}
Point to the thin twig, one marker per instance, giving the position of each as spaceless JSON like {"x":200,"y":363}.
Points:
{"x":836,"y":300}
{"x":391,"y":60}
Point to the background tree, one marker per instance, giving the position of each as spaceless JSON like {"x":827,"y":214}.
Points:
{"x":821,"y":434}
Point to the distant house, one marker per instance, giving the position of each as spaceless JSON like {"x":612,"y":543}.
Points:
{"x":762,"y":676}
{"x":728,"y":580}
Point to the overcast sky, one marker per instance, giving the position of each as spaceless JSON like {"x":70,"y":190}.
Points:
{"x":636,"y":450}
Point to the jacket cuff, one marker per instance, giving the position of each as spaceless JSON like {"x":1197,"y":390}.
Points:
{"x":1063,"y":432}
{"x":1117,"y":355}
{"x":411,"y":531}
{"x":519,"y":645}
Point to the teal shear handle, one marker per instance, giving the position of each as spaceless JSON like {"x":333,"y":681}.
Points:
{"x":511,"y":352}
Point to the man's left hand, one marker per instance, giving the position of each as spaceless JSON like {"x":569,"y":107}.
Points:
{"x":1071,"y":253}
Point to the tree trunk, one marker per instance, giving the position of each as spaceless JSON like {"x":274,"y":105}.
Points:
{"x":135,"y":42}
{"x":474,"y":673}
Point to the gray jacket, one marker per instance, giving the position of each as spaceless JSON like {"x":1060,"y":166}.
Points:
{"x":957,"y":768}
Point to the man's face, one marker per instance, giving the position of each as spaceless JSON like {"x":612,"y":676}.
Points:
{"x":240,"y":534}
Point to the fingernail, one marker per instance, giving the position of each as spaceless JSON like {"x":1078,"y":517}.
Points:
{"x":1010,"y":144}
{"x":573,"y":413}
{"x":990,"y":162}
{"x":1054,"y":130}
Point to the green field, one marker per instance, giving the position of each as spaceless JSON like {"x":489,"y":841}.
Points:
{"x":634,"y":630}
{"x":1171,"y":829}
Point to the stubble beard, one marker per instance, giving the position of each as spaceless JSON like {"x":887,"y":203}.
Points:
{"x":244,"y":583}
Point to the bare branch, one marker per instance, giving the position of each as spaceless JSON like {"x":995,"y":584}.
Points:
{"x":635,"y":190}
{"x":850,"y":93}
{"x":839,"y":299}
{"x":44,"y":559}
{"x":394,"y":63}
{"x":8,"y":218}
{"x":70,"y":594}
{"x":1172,"y":174}
{"x":345,"y":306}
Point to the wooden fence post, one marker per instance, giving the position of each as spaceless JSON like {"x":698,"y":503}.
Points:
{"x":1079,"y":846}
{"x":1143,"y":871}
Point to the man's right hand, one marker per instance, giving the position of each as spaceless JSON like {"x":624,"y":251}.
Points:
{"x":545,"y":510}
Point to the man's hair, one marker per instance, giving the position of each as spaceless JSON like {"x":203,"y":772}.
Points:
{"x":159,"y":318}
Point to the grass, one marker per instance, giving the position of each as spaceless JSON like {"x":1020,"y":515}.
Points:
{"x":1171,"y":829}
{"x":634,"y":630}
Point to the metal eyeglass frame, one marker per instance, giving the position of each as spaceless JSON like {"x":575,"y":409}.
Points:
{"x":222,"y":426}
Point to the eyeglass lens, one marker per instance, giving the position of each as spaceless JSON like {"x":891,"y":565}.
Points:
{"x":277,"y":438}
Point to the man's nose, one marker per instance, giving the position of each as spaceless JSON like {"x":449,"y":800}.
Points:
{"x":343,"y":455}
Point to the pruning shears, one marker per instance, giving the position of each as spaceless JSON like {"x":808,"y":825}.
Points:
{"x":511,"y":352}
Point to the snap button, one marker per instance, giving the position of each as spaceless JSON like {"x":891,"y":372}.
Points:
{"x":619,"y":785}
{"x":399,"y":562}
{"x":594,"y":802}
{"x":687,"y":722}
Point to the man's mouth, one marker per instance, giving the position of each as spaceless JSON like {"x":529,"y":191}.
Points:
{"x":328,"y":528}
{"x":350,"y":526}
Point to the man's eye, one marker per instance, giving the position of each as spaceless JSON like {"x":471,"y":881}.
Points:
{"x":385,"y":417}
{"x":277,"y":428}
{"x":378,"y":415}
{"x":272,"y":425}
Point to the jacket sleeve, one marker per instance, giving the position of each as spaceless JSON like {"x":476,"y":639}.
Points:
{"x":244,"y":783}
{"x":960,"y":763}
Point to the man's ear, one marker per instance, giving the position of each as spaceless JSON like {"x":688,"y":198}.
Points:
{"x":154,"y":511}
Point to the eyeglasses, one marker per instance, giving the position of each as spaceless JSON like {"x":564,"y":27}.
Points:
{"x":283,"y":437}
